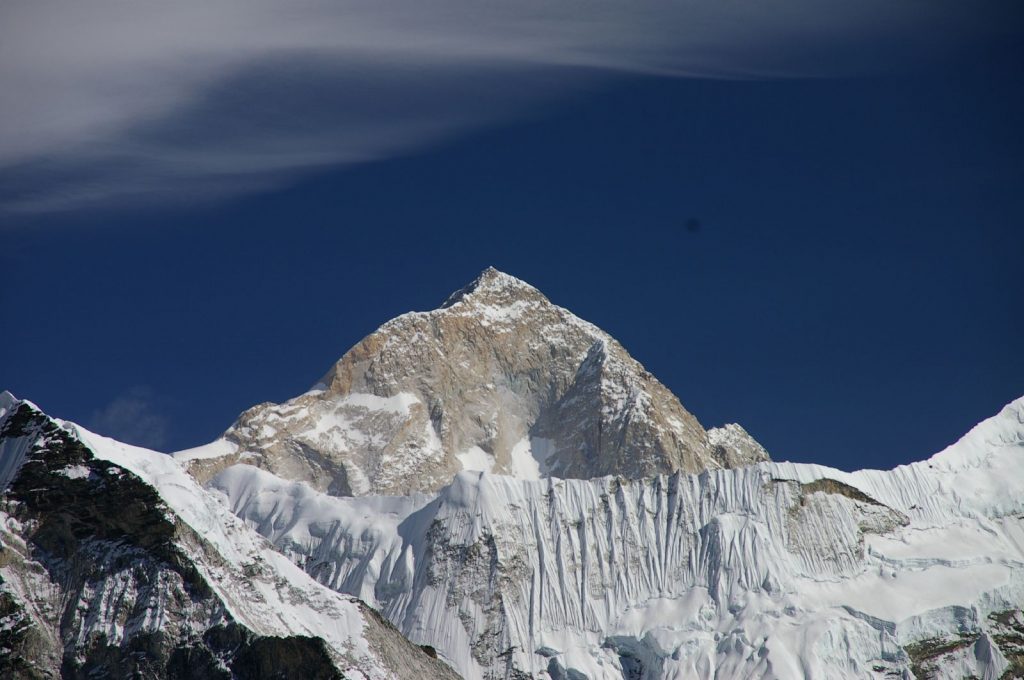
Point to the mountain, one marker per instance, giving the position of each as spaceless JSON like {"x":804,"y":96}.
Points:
{"x":495,"y":489}
{"x":114,"y":563}
{"x":497,"y":379}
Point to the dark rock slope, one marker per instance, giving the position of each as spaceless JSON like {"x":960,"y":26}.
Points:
{"x":101,"y":578}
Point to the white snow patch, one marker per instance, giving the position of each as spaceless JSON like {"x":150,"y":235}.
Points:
{"x":891,"y":595}
{"x":476,"y":459}
{"x":75,"y":472}
{"x":495,"y":315}
{"x":215,"y":449}
{"x":522,"y":463}
{"x":399,"y":403}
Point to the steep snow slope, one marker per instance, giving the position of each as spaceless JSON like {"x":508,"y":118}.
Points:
{"x":772,"y":571}
{"x":498,"y":379}
{"x":115,"y":562}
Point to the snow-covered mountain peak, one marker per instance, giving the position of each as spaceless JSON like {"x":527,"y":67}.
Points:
{"x":495,"y":288}
{"x":1006,"y":428}
{"x":498,"y":379}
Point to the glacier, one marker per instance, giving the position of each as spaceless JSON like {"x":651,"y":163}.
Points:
{"x":775,"y":570}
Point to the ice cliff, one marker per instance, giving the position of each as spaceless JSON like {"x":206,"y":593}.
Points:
{"x":771,"y":571}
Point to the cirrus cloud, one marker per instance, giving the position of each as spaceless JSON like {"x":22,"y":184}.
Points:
{"x":113,"y":102}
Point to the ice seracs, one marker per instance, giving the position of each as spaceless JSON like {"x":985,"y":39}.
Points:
{"x":775,"y":570}
{"x":498,"y":379}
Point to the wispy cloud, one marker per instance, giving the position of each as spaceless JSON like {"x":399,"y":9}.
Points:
{"x":132,"y":418}
{"x":113,"y":102}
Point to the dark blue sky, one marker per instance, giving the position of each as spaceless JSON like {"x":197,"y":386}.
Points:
{"x":852,"y":297}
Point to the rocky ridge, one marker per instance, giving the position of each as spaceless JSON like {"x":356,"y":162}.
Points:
{"x":114,"y":563}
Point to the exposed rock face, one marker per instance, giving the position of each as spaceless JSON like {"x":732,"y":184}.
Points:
{"x":497,"y":379}
{"x":101,"y":577}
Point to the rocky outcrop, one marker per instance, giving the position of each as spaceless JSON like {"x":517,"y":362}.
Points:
{"x":497,"y":379}
{"x":732,"y":446}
